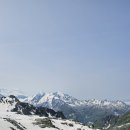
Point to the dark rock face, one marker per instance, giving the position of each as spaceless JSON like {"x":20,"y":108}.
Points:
{"x":24,"y":108}
{"x":13,"y":97}
{"x":43,"y":123}
{"x":41,"y":112}
{"x":60,"y":115}
{"x":57,"y":114}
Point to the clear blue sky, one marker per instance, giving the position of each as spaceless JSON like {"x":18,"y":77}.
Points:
{"x":79,"y":47}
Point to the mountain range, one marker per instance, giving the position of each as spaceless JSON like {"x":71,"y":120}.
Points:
{"x":84,"y":111}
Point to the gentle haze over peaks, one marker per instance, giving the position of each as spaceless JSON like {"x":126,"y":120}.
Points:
{"x":77,"y":47}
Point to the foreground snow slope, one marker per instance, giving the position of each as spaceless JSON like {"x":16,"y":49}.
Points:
{"x":13,"y":121}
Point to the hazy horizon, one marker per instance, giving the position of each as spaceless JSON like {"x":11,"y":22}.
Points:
{"x":81,"y":48}
{"x":25,"y":93}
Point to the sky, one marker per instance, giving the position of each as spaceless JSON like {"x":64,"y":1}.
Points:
{"x":81,"y":48}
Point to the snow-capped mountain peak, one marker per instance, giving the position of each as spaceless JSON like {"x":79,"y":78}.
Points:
{"x":51,"y":99}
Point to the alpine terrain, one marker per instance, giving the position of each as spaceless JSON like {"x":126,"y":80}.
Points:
{"x":16,"y":115}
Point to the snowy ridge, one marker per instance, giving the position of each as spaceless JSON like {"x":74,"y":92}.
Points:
{"x":105,"y":103}
{"x":12,"y":104}
{"x":7,"y":104}
{"x":49,"y":99}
